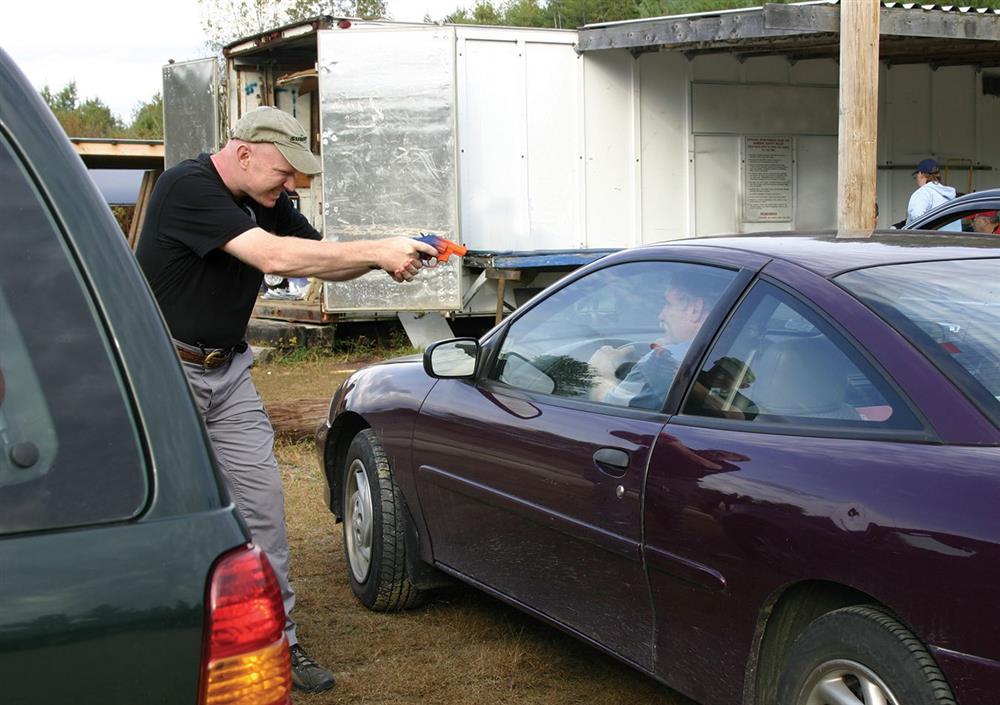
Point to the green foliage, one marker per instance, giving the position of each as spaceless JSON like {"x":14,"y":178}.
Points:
{"x":369,"y":9}
{"x":225,"y":21}
{"x":123,"y":216}
{"x":89,"y":118}
{"x":147,"y":120}
{"x":299,"y":355}
{"x":378,"y":344}
{"x":92,"y":118}
{"x":576,"y":13}
{"x":524,"y":13}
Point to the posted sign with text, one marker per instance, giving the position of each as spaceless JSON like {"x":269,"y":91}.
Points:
{"x":767,"y":179}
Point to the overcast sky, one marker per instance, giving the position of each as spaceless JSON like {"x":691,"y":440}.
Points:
{"x":115,"y":49}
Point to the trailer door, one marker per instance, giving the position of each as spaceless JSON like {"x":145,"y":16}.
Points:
{"x":190,"y":109}
{"x":387,"y":126}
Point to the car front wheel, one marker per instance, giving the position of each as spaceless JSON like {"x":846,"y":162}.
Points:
{"x":374,"y":529}
{"x":861,"y":656}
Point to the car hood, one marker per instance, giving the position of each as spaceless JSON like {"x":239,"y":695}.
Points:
{"x":403,"y":360}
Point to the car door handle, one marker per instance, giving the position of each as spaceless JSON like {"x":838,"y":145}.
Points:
{"x":612,"y":461}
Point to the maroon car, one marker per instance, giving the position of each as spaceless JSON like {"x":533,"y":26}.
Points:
{"x":762,"y":469}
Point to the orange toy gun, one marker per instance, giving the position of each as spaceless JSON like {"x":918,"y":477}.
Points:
{"x":445,"y":248}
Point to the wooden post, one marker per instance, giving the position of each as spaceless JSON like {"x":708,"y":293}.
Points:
{"x":502,"y":276}
{"x":858,"y":126}
{"x":141,"y":205}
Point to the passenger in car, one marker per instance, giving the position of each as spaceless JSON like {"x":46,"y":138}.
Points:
{"x":985,"y":222}
{"x":688,"y":300}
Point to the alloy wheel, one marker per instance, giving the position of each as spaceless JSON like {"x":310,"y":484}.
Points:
{"x":358,"y":522}
{"x":844,"y":682}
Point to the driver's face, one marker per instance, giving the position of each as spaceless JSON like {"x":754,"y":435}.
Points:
{"x":677,"y":317}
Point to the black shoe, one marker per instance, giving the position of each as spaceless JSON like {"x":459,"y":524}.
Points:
{"x":308,"y":675}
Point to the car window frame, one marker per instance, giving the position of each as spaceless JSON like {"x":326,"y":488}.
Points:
{"x":947,"y":212}
{"x":925,"y":435}
{"x":952,"y":215}
{"x":61,"y":231}
{"x":493,"y":341}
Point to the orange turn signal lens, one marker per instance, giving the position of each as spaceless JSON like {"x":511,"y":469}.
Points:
{"x":261,"y":677}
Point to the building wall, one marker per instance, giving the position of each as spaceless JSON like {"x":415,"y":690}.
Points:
{"x":694,"y":117}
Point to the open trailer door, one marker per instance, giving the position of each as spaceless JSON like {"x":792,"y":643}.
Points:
{"x":190,"y":109}
{"x":387,"y":127}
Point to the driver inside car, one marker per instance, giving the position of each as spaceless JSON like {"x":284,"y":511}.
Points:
{"x":688,"y":299}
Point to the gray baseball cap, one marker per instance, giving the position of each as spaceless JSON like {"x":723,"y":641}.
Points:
{"x":267,"y":124}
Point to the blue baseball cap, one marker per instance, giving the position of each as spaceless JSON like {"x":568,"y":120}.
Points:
{"x":927,"y":166}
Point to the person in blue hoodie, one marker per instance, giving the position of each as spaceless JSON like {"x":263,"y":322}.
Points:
{"x":930,"y":194}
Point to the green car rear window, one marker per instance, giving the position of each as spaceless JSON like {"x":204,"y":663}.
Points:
{"x":69,"y":447}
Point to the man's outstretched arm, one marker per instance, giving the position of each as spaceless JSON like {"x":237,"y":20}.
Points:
{"x":400,"y":257}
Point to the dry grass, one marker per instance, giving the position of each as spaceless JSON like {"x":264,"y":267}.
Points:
{"x":462,"y":648}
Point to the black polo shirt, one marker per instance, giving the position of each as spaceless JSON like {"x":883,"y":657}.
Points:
{"x":206,"y":294}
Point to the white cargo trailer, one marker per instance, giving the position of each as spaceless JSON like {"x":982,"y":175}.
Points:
{"x":476,"y":134}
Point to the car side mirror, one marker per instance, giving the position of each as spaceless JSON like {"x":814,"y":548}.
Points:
{"x":452,"y":359}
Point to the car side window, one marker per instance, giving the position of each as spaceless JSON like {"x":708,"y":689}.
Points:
{"x":616,"y":336}
{"x":778,"y":362}
{"x":69,"y":449}
{"x":956,"y":223}
{"x":981,"y":221}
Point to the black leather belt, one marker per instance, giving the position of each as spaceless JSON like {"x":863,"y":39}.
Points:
{"x":212,"y":358}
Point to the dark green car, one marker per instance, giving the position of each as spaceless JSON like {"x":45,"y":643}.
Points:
{"x":126,"y":574}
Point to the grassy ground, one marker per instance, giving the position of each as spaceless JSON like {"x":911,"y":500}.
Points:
{"x":462,"y":648}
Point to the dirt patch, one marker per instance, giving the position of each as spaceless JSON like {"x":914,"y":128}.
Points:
{"x":462,"y":648}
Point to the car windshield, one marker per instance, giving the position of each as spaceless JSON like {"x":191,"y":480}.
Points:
{"x":950,"y":310}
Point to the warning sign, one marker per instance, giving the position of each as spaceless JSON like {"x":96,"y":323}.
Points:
{"x":767,"y":179}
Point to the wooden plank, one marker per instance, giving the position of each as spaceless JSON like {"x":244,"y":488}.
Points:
{"x":893,"y":21}
{"x":858,"y":126}
{"x":119,"y":154}
{"x":668,"y":32}
{"x":141,"y":206}
{"x":292,"y":310}
{"x":297,"y":420}
{"x":501,"y":290}
{"x":508,"y":274}
{"x":748,"y":28}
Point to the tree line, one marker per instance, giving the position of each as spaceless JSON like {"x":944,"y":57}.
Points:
{"x":570,"y":14}
{"x":227,"y":20}
{"x":90,"y":117}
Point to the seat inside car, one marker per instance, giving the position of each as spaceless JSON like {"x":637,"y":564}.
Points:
{"x":802,"y":376}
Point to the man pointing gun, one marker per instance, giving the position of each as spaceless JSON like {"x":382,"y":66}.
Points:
{"x":215,"y":225}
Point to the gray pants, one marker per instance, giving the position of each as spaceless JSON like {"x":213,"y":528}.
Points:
{"x":243,"y":440}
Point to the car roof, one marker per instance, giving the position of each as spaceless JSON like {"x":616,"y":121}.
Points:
{"x":828,"y":256}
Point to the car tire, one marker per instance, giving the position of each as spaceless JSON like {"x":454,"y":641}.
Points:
{"x":375,"y":529}
{"x":859,"y":654}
